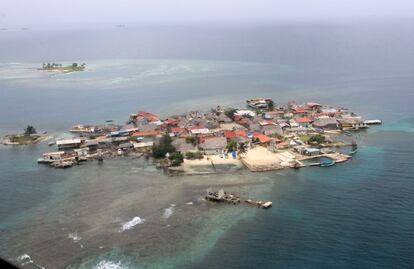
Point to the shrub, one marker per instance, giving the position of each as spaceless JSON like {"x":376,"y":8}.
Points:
{"x":194,"y":155}
{"x":316,"y":139}
{"x":230,"y":112}
{"x":176,"y":158}
{"x":191,"y":140}
{"x":164,"y":146}
{"x":29,"y":130}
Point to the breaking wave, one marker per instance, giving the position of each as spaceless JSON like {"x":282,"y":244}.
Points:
{"x":168,"y":211}
{"x":26,"y":259}
{"x":104,"y":264}
{"x":75,"y":237}
{"x":132,"y":223}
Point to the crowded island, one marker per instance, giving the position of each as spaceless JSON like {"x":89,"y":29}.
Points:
{"x":262,"y":136}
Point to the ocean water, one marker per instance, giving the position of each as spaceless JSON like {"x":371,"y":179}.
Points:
{"x":127,"y":214}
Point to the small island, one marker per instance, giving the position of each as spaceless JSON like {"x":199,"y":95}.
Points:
{"x":29,"y":136}
{"x":74,"y":67}
{"x":262,"y":137}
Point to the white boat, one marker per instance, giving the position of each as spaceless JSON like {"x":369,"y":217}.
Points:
{"x":371,"y":122}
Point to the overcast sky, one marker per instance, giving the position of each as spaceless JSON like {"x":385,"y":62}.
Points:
{"x":41,"y":13}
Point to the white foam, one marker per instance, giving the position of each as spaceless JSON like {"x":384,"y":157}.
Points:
{"x":132,"y":223}
{"x":168,"y":211}
{"x":75,"y":237}
{"x":26,"y":259}
{"x":104,"y":264}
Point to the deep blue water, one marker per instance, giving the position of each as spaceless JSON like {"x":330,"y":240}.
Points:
{"x":357,"y":214}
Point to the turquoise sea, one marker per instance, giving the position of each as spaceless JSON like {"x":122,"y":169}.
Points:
{"x":127,"y":214}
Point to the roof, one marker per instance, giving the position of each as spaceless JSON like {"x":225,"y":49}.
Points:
{"x":177,"y":129}
{"x":266,"y":122}
{"x":171,"y":121}
{"x":311,"y":104}
{"x":351,"y":120}
{"x":233,"y":134}
{"x":147,"y":133}
{"x":299,"y":110}
{"x":325,"y":121}
{"x":148,"y":116}
{"x":303,"y":120}
{"x":181,"y":145}
{"x":199,"y":130}
{"x":68,"y":141}
{"x":229,"y":134}
{"x":214,"y":143}
{"x":262,"y":138}
{"x":53,"y":153}
{"x":312,"y":150}
{"x":143,"y":144}
{"x":240,"y":133}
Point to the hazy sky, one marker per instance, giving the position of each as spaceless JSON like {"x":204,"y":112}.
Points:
{"x":41,"y":13}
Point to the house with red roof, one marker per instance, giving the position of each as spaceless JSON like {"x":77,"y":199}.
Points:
{"x":171,"y":122}
{"x":263,"y":139}
{"x":299,"y":111}
{"x":147,"y":133}
{"x":304,"y":121}
{"x":177,"y":130}
{"x":142,"y":115}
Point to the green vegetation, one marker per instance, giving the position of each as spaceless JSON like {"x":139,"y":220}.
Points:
{"x":176,"y":158}
{"x":29,"y":130}
{"x":232,"y":145}
{"x":305,"y":138}
{"x":66,"y":69}
{"x":194,"y":155}
{"x":242,"y":149}
{"x":191,"y":140}
{"x":317,"y":139}
{"x":164,"y":146}
{"x":23,"y":139}
{"x":230,"y":112}
{"x":29,"y":136}
{"x":271,"y":105}
{"x":278,"y":136}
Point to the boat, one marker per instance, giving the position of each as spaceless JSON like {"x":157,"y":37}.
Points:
{"x":109,"y":121}
{"x":260,"y":204}
{"x":352,"y":152}
{"x":348,"y":133}
{"x":62,"y":164}
{"x":372,"y":122}
{"x":327,"y":163}
{"x":51,"y":143}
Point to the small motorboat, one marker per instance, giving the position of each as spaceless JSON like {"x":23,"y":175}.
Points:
{"x":327,"y":163}
{"x":352,"y":152}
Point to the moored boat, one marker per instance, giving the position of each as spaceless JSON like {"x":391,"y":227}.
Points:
{"x":327,"y":163}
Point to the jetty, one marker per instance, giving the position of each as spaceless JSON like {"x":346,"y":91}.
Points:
{"x":222,"y":196}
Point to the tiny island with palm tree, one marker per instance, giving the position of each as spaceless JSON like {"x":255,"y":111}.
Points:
{"x":74,"y":67}
{"x":29,"y":136}
{"x":262,"y":137}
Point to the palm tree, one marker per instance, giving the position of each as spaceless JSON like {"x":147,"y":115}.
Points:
{"x":242,"y":149}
